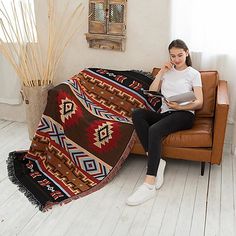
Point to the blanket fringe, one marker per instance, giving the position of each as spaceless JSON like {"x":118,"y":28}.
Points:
{"x":11,"y":174}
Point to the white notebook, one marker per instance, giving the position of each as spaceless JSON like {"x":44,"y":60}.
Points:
{"x":179,"y":98}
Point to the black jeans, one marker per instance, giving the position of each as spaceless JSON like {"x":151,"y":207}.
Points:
{"x":151,"y":127}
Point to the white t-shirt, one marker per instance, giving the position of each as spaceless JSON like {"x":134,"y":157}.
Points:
{"x":176,"y":82}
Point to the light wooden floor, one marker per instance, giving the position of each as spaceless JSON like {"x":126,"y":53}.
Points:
{"x":187,"y":204}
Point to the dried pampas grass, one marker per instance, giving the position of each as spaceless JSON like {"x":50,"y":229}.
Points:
{"x":22,"y":46}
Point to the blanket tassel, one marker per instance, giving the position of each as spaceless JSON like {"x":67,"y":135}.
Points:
{"x":16,"y":181}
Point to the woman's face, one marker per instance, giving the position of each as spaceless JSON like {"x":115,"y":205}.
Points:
{"x":178,"y":57}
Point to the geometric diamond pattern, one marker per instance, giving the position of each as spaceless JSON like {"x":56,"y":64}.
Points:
{"x":90,"y":165}
{"x":67,"y":109}
{"x":94,"y":168}
{"x":103,"y":134}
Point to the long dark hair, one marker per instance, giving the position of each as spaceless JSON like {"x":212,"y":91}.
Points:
{"x":178,"y":43}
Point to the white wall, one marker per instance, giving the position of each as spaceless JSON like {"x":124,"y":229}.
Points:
{"x":10,"y":93}
{"x":146,"y":44}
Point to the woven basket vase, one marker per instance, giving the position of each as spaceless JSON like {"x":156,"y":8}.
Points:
{"x":35,"y":100}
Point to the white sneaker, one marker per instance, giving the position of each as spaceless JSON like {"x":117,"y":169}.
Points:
{"x":160,"y":173}
{"x":141,"y":195}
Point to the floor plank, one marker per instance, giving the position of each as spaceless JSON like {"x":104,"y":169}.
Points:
{"x":234,"y":187}
{"x":227,"y":223}
{"x":4,"y":124}
{"x":199,"y":214}
{"x":8,"y":189}
{"x":213,"y":202}
{"x":15,"y":213}
{"x":128,"y":214}
{"x":184,"y":221}
{"x":154,"y":223}
{"x":172,"y":211}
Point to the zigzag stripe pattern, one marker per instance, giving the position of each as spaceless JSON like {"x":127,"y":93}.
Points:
{"x":75,"y":153}
{"x":93,"y":108}
{"x":134,"y":87}
{"x":115,"y":90}
{"x":81,"y":159}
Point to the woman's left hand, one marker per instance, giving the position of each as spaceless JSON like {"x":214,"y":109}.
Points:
{"x":173,"y":105}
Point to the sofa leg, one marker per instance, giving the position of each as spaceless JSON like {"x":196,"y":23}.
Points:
{"x":202,"y":168}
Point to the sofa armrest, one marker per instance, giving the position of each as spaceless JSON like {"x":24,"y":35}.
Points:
{"x":220,"y":121}
{"x":155,"y":70}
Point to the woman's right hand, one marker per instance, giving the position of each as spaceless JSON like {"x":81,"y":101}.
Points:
{"x":156,"y":84}
{"x":166,"y":67}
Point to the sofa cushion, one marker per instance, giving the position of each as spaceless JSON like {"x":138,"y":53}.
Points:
{"x":199,"y":136}
{"x":209,"y":86}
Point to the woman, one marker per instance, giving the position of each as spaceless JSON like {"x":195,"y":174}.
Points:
{"x":175,"y":77}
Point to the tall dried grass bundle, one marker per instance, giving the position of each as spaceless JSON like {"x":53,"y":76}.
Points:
{"x":22,"y":43}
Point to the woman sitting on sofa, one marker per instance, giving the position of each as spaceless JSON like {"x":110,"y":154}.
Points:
{"x":175,"y":77}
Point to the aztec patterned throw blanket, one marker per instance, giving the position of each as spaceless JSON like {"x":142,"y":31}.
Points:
{"x":84,"y":136}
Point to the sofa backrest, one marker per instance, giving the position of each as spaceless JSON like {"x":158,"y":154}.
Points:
{"x":209,"y":86}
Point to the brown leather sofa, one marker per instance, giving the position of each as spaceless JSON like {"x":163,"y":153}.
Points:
{"x":204,"y":142}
